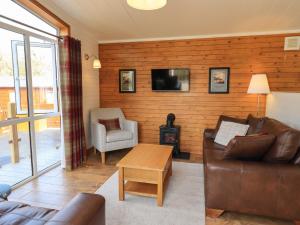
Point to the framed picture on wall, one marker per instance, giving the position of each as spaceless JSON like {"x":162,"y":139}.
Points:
{"x":219,"y":80}
{"x":127,"y":81}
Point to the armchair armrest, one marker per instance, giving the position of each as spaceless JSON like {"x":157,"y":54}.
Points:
{"x":84,"y":209}
{"x":99,"y":136}
{"x":133,"y":127}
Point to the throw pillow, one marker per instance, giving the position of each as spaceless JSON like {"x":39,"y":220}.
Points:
{"x":255,"y":124}
{"x":272,"y":126}
{"x":249,"y":147}
{"x":285,"y":147}
{"x":111,"y":124}
{"x":229,"y":119}
{"x":229,"y":130}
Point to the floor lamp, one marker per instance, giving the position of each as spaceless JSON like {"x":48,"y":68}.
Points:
{"x":259,"y":85}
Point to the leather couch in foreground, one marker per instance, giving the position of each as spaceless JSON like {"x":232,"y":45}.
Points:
{"x":84,"y":209}
{"x":253,"y":187}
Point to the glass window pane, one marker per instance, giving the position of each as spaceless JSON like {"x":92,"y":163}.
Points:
{"x":48,"y":142}
{"x":13,"y":90}
{"x":43,"y":66}
{"x":15,"y":154}
{"x":14,"y":11}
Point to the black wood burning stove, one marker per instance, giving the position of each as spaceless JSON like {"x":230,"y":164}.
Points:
{"x":170,"y":135}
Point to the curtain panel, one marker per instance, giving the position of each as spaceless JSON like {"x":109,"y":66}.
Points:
{"x":71,"y":98}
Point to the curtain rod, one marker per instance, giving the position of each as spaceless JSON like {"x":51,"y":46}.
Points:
{"x":31,"y":27}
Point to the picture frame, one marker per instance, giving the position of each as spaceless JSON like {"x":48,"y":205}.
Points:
{"x":219,"y":80}
{"x":127,"y":80}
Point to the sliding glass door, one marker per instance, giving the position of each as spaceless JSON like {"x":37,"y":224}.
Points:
{"x":44,"y":88}
{"x":30,"y":119}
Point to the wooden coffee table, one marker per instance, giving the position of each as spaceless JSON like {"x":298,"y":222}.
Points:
{"x":145,"y":171}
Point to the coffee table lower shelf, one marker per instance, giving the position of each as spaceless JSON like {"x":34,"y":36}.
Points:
{"x":142,"y":189}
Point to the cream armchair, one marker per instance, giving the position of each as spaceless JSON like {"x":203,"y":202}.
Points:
{"x":105,"y":141}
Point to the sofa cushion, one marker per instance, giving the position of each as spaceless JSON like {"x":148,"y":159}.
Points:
{"x":228,"y":119}
{"x":19,"y":213}
{"x":118,"y":135}
{"x":255,"y":124}
{"x":285,"y":147}
{"x":272,"y":126}
{"x":229,"y":130}
{"x":111,"y":124}
{"x":249,"y":147}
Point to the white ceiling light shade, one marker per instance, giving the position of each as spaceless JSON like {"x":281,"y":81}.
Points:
{"x":147,"y":4}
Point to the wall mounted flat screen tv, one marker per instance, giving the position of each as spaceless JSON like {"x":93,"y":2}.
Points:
{"x":170,"y":79}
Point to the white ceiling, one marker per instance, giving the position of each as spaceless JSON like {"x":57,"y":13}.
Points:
{"x":114,"y":20}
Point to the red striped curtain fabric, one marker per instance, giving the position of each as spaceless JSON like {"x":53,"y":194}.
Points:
{"x":71,"y":98}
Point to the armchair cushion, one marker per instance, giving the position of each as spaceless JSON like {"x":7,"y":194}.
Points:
{"x":118,"y":135}
{"x":111,"y":124}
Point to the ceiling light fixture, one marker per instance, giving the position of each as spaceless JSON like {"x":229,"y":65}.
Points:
{"x":147,"y":4}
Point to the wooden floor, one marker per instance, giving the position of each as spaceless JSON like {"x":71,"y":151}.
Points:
{"x":57,"y":187}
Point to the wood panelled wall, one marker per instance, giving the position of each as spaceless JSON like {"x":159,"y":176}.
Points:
{"x":195,"y":110}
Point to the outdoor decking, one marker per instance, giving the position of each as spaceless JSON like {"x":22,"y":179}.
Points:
{"x":48,"y":153}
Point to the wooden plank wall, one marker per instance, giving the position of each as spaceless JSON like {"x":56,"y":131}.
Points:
{"x":196,"y":109}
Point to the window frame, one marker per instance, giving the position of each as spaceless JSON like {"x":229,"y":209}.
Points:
{"x":31,"y":117}
{"x":45,"y":14}
{"x":63,"y":28}
{"x":52,"y":45}
{"x":27,"y":35}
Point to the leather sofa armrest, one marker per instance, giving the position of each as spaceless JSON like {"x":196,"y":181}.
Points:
{"x":209,"y":133}
{"x":84,"y":209}
{"x":232,"y":185}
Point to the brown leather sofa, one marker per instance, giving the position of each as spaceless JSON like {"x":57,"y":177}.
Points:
{"x":84,"y":209}
{"x":252,"y":187}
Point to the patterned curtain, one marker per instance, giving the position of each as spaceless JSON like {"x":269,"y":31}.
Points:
{"x":71,"y":97}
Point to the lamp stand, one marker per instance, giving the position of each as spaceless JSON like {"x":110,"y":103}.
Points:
{"x":258,"y":105}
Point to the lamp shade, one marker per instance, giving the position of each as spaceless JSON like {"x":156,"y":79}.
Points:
{"x":147,"y":4}
{"x":259,"y":84}
{"x":96,"y":64}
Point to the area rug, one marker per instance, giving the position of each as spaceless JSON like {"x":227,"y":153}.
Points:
{"x":183,"y":202}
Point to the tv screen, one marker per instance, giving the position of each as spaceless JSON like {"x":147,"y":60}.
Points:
{"x":170,"y":79}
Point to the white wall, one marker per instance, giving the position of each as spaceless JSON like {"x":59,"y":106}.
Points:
{"x":284,"y":107}
{"x":89,"y":45}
